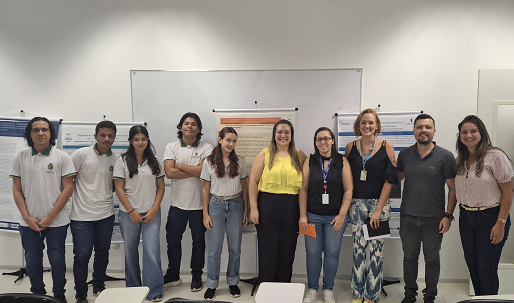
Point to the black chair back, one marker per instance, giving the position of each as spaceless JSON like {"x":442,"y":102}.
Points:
{"x":487,"y":301}
{"x":27,"y":298}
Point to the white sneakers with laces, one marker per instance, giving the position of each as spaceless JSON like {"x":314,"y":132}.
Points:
{"x":311,"y":296}
{"x":329,"y":296}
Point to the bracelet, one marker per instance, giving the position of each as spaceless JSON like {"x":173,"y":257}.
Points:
{"x":449,"y":216}
{"x":130,"y":211}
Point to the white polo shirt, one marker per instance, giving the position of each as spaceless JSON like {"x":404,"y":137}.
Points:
{"x":186,"y":193}
{"x":92,"y":192}
{"x":225,"y":186}
{"x":41,"y":175}
{"x":141,"y":189}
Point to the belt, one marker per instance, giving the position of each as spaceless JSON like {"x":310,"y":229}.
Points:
{"x":225,"y":198}
{"x":469,"y":208}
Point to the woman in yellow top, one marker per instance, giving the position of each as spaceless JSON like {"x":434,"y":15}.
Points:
{"x":275,"y":180}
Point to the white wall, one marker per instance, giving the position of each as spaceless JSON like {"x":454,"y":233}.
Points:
{"x":71,"y":60}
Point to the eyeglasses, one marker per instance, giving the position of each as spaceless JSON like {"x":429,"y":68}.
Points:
{"x":324,"y":139}
{"x":140,"y":140}
{"x":37,"y":130}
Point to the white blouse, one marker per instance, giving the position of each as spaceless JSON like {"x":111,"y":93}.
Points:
{"x":484,"y":191}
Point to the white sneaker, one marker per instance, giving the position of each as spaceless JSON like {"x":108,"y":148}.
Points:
{"x":311,"y":296}
{"x":329,"y":296}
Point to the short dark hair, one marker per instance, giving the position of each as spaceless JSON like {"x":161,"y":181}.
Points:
{"x":198,"y":121}
{"x":423,"y":116}
{"x":28,"y":130}
{"x":105,"y":124}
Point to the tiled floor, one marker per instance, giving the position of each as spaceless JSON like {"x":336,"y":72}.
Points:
{"x":448,"y":292}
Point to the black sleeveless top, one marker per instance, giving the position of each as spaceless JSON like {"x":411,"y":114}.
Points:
{"x":379,"y":169}
{"x":334,"y":187}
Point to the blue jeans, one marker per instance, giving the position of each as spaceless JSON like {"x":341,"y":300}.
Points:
{"x":175,"y":228}
{"x":86,"y":235}
{"x":33,"y":244}
{"x":152,"y":271}
{"x":413,"y":231}
{"x":328,"y":243}
{"x":225,"y":216}
{"x":367,"y":277}
{"x":481,"y":256}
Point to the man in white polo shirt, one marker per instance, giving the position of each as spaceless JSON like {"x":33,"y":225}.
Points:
{"x":183,"y":161}
{"x":42,"y":184}
{"x":92,"y":212}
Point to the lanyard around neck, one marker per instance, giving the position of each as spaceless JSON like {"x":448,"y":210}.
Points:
{"x":325,"y":174}
{"x":365,"y":159}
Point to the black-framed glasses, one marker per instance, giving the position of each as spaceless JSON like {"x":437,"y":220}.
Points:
{"x":324,"y":139}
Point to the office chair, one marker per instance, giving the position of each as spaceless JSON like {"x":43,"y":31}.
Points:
{"x":27,"y":298}
{"x":181,"y":300}
{"x":487,"y":301}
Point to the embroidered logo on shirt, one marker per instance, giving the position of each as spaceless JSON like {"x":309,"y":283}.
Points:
{"x":111,"y":168}
{"x":50,"y":166}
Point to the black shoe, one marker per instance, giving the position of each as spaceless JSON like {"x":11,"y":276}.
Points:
{"x":428,"y":300}
{"x":171,"y":280}
{"x":81,"y":297}
{"x":61,"y":297}
{"x":98,"y":290}
{"x":210,"y":293}
{"x":196,"y":283}
{"x":157,"y":298}
{"x":409,"y":299}
{"x":235,"y":292}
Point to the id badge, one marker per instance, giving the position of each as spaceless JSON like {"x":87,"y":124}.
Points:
{"x":324,"y":198}
{"x":364,"y":174}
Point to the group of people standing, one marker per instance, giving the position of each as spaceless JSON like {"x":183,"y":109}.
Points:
{"x":286,"y":191}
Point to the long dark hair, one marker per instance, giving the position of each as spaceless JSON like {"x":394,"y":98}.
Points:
{"x":28,"y":130}
{"x":333,"y":150}
{"x":216,"y":157}
{"x":483,"y":146}
{"x":295,"y":158}
{"x":148,"y":154}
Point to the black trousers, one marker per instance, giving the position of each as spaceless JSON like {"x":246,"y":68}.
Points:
{"x":277,"y":233}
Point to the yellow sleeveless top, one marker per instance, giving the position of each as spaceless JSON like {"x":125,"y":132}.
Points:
{"x":282,"y":178}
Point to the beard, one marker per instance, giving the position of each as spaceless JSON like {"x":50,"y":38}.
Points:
{"x":424,"y":141}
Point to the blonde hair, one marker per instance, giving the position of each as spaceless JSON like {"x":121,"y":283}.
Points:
{"x":356,"y":124}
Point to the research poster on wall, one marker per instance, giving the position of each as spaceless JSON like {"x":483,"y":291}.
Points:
{"x":254,"y":128}
{"x":11,"y":142}
{"x":397,"y":128}
{"x":81,"y":134}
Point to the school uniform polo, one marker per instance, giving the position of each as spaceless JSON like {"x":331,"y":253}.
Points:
{"x":141,"y":189}
{"x":225,"y":186}
{"x":41,"y":175}
{"x":186,"y":193}
{"x":93,"y":188}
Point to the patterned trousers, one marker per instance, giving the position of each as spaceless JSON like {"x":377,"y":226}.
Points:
{"x":366,"y":276}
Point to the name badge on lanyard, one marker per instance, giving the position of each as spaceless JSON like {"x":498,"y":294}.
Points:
{"x":324,"y":197}
{"x":364,"y":173}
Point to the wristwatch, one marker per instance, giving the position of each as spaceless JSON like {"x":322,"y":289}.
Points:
{"x":449,"y":216}
{"x":502,"y":220}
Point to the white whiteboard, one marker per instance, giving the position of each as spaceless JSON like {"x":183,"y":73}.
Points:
{"x":161,"y":98}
